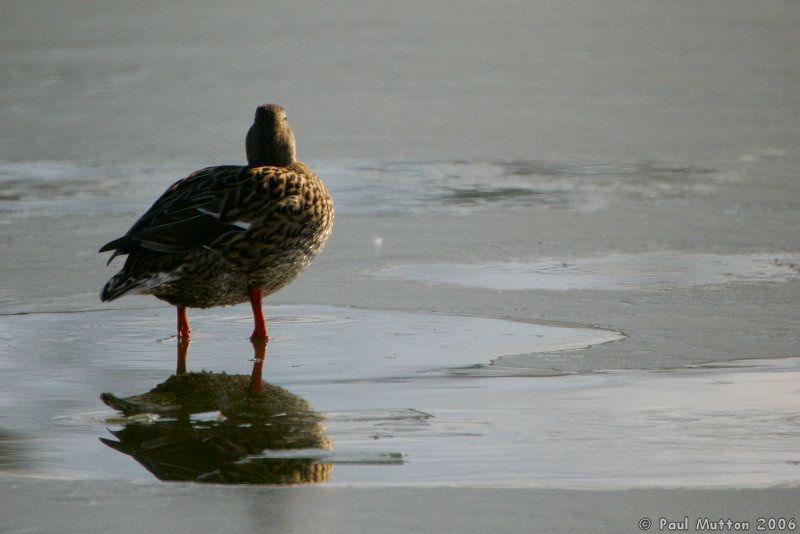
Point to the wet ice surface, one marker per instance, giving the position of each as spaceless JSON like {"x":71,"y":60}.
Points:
{"x":395,"y":412}
{"x":611,"y":272}
{"x":462,"y":187}
{"x":56,"y":188}
{"x":374,"y":187}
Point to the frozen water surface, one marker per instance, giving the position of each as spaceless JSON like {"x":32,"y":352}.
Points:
{"x":642,"y":155}
{"x":364,"y":187}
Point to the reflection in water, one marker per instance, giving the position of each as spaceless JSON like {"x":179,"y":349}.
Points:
{"x":12,"y":454}
{"x":214,"y":427}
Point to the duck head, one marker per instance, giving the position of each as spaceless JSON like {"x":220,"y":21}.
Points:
{"x":270,"y":141}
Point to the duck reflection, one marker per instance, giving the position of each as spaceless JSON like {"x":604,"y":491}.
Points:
{"x":220,"y":428}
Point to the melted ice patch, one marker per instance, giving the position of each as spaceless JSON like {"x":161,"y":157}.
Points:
{"x":366,"y":187}
{"x":462,"y":187}
{"x":613,"y":272}
{"x":320,"y":352}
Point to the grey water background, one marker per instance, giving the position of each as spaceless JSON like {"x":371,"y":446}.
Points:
{"x":629,"y":165}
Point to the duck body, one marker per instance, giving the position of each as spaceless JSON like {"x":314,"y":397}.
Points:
{"x":223,"y":230}
{"x":222,"y":233}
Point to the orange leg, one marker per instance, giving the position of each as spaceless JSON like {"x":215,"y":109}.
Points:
{"x":260,"y":347}
{"x":183,"y":352}
{"x":260,"y":330}
{"x":183,"y":323}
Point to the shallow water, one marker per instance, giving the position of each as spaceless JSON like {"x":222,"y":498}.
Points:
{"x":318,"y":352}
{"x":401,"y":404}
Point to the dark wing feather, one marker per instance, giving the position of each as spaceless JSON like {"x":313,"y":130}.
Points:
{"x":182,"y":235}
{"x":193,"y":212}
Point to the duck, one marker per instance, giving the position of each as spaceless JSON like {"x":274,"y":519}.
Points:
{"x":228,"y":234}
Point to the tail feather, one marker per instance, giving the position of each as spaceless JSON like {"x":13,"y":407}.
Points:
{"x":117,"y":286}
{"x":121,"y":283}
{"x":119,"y":246}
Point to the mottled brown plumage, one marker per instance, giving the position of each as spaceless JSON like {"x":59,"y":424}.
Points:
{"x":224,"y":234}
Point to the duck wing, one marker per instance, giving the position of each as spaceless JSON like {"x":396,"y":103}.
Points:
{"x":203,"y":208}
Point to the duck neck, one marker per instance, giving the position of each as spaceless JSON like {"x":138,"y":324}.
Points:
{"x":270,"y":147}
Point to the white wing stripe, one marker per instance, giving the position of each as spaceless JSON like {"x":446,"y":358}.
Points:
{"x":209,"y":212}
